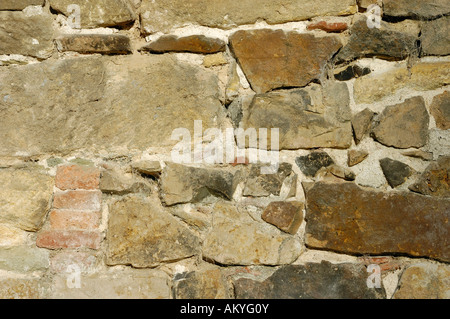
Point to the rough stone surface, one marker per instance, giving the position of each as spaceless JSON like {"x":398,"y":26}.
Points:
{"x":435,"y":37}
{"x":395,"y":172}
{"x":26,"y":35}
{"x":440,"y":109}
{"x":328,"y":27}
{"x":99,"y":13}
{"x":310,"y":164}
{"x":236,"y":239}
{"x":209,"y":283}
{"x":193,"y":44}
{"x":25,"y":197}
{"x":311,"y":281}
{"x":341,"y":172}
{"x":183,"y":184}
{"x":259,"y":184}
{"x":416,"y":8}
{"x":350,"y":72}
{"x":94,"y":43}
{"x":163,"y":15}
{"x":151,"y":168}
{"x":426,"y":156}
{"x":306,"y":118}
{"x":424,"y":281}
{"x":348,"y":219}
{"x":362,"y":123}
{"x":422,"y":76}
{"x":403,"y":125}
{"x":12,"y":236}
{"x":127,"y":284}
{"x":19,"y":4}
{"x":384,"y":42}
{"x":23,"y":259}
{"x":143,"y":234}
{"x":287,"y":216}
{"x":274,"y":59}
{"x":83,"y":110}
{"x":435,"y":180}
{"x":115,"y":182}
{"x":27,"y":288}
{"x":354,"y":157}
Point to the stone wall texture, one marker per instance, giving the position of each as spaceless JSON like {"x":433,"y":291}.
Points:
{"x":123,"y":174}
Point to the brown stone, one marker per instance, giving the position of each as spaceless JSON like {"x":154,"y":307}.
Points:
{"x":274,"y":59}
{"x":403,"y":125}
{"x":94,"y":43}
{"x":19,"y":4}
{"x":416,"y":8}
{"x":440,"y":109}
{"x":328,"y":26}
{"x":435,"y":38}
{"x":354,"y":157}
{"x":26,"y":288}
{"x":361,"y":124}
{"x":435,"y":180}
{"x":191,"y":44}
{"x":348,"y":219}
{"x":287,"y":216}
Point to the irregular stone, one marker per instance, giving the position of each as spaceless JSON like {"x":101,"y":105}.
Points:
{"x":307,"y":118}
{"x":113,"y":182}
{"x":422,"y":76}
{"x":385,"y":42}
{"x":287,"y":216}
{"x":416,"y":8}
{"x":366,"y":3}
{"x":184,"y":184}
{"x":24,"y":259}
{"x":426,"y":156}
{"x":77,"y":177}
{"x":56,"y":239}
{"x":341,"y":172}
{"x":19,"y":4}
{"x":92,"y":110}
{"x":362,"y":123}
{"x":192,"y":44}
{"x":127,"y":284}
{"x":164,"y":15}
{"x":150,"y":168}
{"x":435,"y":180}
{"x":259,"y":184}
{"x":435,"y":37}
{"x":94,"y":43}
{"x":424,"y":281}
{"x":99,"y":13}
{"x":354,"y":157}
{"x":311,"y":281}
{"x":236,"y":239}
{"x":328,"y":26}
{"x":193,"y":217}
{"x":25,"y":197}
{"x":395,"y":172}
{"x":273,"y":59}
{"x":350,"y":72}
{"x":21,"y":288}
{"x":310,"y":164}
{"x":25,"y":34}
{"x":438,"y":143}
{"x":403,"y":125}
{"x":345,"y":218}
{"x":440,"y":109}
{"x":209,"y":283}
{"x":217,"y":59}
{"x":11,"y":236}
{"x":142,"y":234}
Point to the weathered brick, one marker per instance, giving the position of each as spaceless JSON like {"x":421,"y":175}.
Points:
{"x":66,"y":219}
{"x":328,"y":26}
{"x":62,"y":260}
{"x":78,"y":200}
{"x":54,"y":239}
{"x":77,"y":177}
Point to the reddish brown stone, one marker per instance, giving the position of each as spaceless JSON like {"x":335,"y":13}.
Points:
{"x":77,"y":177}
{"x":287,"y":216}
{"x":94,"y":43}
{"x":78,"y":200}
{"x":275,"y":59}
{"x":192,"y":44}
{"x":55,"y":239}
{"x":348,"y":219}
{"x":435,"y":181}
{"x":440,"y":109}
{"x":328,"y":26}
{"x":66,"y":219}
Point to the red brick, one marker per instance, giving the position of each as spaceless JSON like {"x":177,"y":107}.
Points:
{"x":67,"y":219}
{"x":77,"y":177}
{"x":328,"y":27}
{"x":54,"y":239}
{"x":385,"y":263}
{"x":78,"y":200}
{"x":240,"y":161}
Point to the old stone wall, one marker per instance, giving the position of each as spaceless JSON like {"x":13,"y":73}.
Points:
{"x":115,"y":181}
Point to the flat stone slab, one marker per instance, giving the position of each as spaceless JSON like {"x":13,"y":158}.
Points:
{"x":192,"y":44}
{"x":94,"y":43}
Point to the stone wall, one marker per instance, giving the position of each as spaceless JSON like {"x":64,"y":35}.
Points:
{"x":94,"y":203}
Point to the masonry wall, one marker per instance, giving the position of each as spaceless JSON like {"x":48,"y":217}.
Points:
{"x":109,"y":110}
